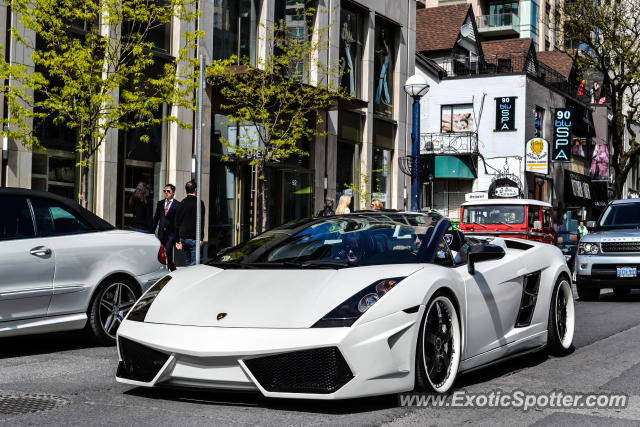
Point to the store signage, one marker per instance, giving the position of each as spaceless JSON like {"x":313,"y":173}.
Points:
{"x":506,"y":192}
{"x":505,"y":114}
{"x":536,"y":155}
{"x":478,"y":195}
{"x":562,"y":124}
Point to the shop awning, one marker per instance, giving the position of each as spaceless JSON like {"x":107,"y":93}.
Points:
{"x":454,"y":167}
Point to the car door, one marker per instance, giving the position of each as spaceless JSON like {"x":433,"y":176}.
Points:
{"x":67,"y":234}
{"x":493,"y":294}
{"x":27,"y":263}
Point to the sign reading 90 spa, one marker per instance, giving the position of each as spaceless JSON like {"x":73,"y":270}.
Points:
{"x":562,"y":124}
{"x":505,"y":113}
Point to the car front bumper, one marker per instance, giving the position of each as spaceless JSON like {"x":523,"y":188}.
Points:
{"x":373,"y":358}
{"x":600,"y":271}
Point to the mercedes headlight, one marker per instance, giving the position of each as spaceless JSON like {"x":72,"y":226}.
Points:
{"x":139,"y":311}
{"x":588,"y":249}
{"x":350,"y":310}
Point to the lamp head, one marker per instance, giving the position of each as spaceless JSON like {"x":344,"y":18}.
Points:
{"x":416,"y":86}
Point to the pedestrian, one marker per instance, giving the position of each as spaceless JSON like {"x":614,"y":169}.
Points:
{"x":582,"y":230}
{"x":186,"y":223}
{"x":343,"y":205}
{"x":327,"y":210}
{"x":595,"y":92}
{"x":581,"y":87}
{"x":376,"y":205}
{"x":165,"y":219}
{"x":142,"y":208}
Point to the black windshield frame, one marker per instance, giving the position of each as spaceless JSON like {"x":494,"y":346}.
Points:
{"x":337,"y":242}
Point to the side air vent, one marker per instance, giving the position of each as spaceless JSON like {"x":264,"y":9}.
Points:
{"x":513,"y":244}
{"x":530,"y":289}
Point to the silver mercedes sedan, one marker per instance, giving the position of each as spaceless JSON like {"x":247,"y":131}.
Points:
{"x":64,"y":268}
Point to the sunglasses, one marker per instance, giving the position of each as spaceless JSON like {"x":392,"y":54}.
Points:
{"x":167,"y":191}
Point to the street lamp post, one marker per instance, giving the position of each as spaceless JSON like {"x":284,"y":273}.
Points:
{"x":416,"y":87}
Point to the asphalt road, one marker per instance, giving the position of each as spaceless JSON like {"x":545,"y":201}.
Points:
{"x":76,"y":379}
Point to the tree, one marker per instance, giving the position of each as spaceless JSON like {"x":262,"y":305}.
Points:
{"x":92,"y":60}
{"x":609,"y":31}
{"x":272,"y":103}
{"x":362,"y":188}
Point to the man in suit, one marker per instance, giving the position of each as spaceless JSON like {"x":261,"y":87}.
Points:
{"x":165,"y":220}
{"x":186,"y":223}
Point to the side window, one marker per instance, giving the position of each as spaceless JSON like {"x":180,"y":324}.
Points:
{"x":53,"y":219}
{"x":443,"y":255}
{"x":534,"y":215}
{"x":15,"y":218}
{"x":546,"y":218}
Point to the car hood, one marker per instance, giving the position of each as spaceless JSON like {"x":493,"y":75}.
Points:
{"x":268,"y":298}
{"x":615,"y":235}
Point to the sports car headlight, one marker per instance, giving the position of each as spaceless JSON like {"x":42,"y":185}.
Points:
{"x":349,"y":311}
{"x":139,"y":311}
{"x":588,"y":249}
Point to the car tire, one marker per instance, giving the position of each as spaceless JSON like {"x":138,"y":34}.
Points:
{"x":621,"y":292}
{"x":587,"y":294}
{"x":438,"y":350}
{"x":109,"y":306}
{"x":561,"y":324}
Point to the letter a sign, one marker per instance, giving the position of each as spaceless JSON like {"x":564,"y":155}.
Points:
{"x":562,"y":124}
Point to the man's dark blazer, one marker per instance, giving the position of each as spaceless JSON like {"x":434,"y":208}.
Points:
{"x":166,"y":223}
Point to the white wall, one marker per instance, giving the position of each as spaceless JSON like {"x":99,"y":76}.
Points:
{"x":495,"y":147}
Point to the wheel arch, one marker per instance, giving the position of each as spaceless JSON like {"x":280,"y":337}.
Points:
{"x":108,"y":278}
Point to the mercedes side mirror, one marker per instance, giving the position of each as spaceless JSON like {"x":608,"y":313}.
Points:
{"x":479,"y":253}
{"x":591,"y":224}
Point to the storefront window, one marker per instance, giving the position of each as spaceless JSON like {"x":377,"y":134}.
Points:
{"x":291,"y":14}
{"x":54,"y":170}
{"x":140,"y":161}
{"x":143,"y":162}
{"x":456,"y":118}
{"x":384,"y":66}
{"x":538,"y":122}
{"x":381,"y":176}
{"x":351,"y":51}
{"x":235,"y":24}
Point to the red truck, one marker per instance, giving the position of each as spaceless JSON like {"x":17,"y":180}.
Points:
{"x":520,"y":218}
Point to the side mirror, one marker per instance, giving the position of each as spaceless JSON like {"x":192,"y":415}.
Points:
{"x":479,"y":253}
{"x":591,"y":224}
{"x":537,"y":225}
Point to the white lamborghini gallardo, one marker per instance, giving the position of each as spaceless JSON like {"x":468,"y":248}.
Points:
{"x":349,"y":306}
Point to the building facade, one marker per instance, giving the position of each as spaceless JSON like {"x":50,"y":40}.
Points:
{"x":374,"y":43}
{"x":487,"y":101}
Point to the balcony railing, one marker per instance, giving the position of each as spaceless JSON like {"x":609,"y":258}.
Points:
{"x":507,"y":63}
{"x":498,"y":23}
{"x":449,"y":143}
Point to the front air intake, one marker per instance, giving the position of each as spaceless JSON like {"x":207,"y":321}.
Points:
{"x":319,"y":370}
{"x":139,"y":362}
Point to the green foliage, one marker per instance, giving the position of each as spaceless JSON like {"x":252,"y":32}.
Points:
{"x":613,"y":50}
{"x":90,"y":61}
{"x":363,"y":189}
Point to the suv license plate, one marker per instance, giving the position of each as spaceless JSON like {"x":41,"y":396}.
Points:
{"x":627,"y":271}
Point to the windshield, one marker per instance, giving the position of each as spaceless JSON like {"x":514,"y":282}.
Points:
{"x":624,"y":215}
{"x":343,"y":241}
{"x":493,"y":214}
